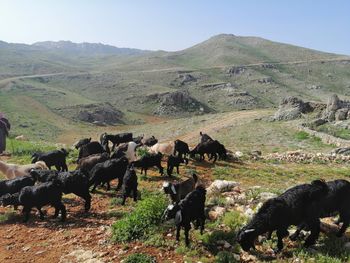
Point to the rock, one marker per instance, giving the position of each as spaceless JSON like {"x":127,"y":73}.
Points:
{"x":265,"y":80}
{"x":343,"y":151}
{"x":291,"y":108}
{"x":235,"y":70}
{"x":216,"y":212}
{"x":220,"y":186}
{"x":317,"y":122}
{"x":249,"y":213}
{"x":239,"y":154}
{"x":334,"y":103}
{"x":264,"y":196}
{"x":224,"y":244}
{"x":341,"y":114}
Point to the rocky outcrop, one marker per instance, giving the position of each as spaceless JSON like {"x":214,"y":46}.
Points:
{"x":178,"y":102}
{"x":292,"y":108}
{"x":234,"y":71}
{"x":98,"y":114}
{"x":336,"y":110}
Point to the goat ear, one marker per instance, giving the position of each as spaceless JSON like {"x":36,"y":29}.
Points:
{"x":178,"y":217}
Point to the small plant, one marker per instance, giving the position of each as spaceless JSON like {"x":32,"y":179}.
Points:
{"x":141,"y":152}
{"x":140,"y":223}
{"x":210,"y":240}
{"x":225,"y":257}
{"x":139,"y":258}
{"x":234,"y":220}
{"x":301,"y":135}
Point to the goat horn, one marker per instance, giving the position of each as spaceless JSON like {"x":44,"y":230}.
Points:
{"x":249,"y":230}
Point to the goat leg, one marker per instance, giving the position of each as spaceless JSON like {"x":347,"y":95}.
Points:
{"x":345,"y":225}
{"x":187,"y":230}
{"x":281,"y":233}
{"x":295,"y":235}
{"x":315,"y":231}
{"x":178,"y":233}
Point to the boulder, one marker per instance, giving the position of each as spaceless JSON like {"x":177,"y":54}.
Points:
{"x":216,"y":212}
{"x":291,"y":108}
{"x":264,"y":196}
{"x":341,"y":114}
{"x":220,"y":186}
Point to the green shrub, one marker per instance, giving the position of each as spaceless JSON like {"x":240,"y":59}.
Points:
{"x":140,"y":223}
{"x":142,"y":152}
{"x":210,"y":239}
{"x":139,"y":258}
{"x":234,"y":220}
{"x":301,"y":135}
{"x":225,"y":257}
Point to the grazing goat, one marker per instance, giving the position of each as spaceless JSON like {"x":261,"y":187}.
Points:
{"x":148,"y":161}
{"x":181,"y":148}
{"x":126,"y":149}
{"x":90,"y":149}
{"x":336,"y":201}
{"x":150,"y":141}
{"x":178,"y":191}
{"x":87,"y":163}
{"x":107,"y":171}
{"x":115,"y":139}
{"x":165,"y":148}
{"x":15,"y":185}
{"x":129,"y":184}
{"x":49,"y":193}
{"x":13,"y":170}
{"x":55,"y":158}
{"x":174,"y":161}
{"x":137,"y":139}
{"x":75,"y":182}
{"x":82,"y":142}
{"x":295,"y":206}
{"x":212,"y":148}
{"x":189,"y":209}
{"x":205,"y":137}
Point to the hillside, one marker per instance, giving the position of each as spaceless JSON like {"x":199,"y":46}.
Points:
{"x":225,"y":73}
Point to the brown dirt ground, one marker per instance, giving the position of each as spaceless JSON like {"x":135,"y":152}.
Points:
{"x":48,"y":240}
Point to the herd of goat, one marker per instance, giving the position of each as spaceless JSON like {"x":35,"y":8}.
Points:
{"x":36,"y":185}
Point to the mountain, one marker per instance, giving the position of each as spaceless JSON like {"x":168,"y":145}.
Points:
{"x":51,"y":82}
{"x":87,"y":48}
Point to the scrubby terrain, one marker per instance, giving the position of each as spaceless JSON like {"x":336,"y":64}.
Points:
{"x":55,"y":93}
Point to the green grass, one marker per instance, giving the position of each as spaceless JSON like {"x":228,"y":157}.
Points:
{"x":334,"y":131}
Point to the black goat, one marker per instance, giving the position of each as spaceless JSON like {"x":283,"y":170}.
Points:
{"x":89,"y":149}
{"x":190,"y":209}
{"x":129,"y":184}
{"x":55,"y":158}
{"x":15,"y":185}
{"x":107,"y":171}
{"x":137,"y":139}
{"x":205,"y":137}
{"x":87,"y":163}
{"x":212,"y":148}
{"x":336,"y":201}
{"x":150,"y":141}
{"x":295,"y":206}
{"x":82,"y":142}
{"x":181,"y":148}
{"x":148,"y":161}
{"x":115,"y":139}
{"x":174,"y":161}
{"x":178,"y":191}
{"x":75,"y":182}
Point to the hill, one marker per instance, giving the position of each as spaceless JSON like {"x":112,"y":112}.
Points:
{"x":225,"y":73}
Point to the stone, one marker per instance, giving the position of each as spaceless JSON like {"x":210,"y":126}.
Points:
{"x":291,"y":108}
{"x":341,"y":114}
{"x":220,"y":186}
{"x":216,"y":212}
{"x":264,"y":196}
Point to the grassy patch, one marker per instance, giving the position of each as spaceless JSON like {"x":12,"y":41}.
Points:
{"x":139,"y":258}
{"x":6,"y":216}
{"x":334,"y":131}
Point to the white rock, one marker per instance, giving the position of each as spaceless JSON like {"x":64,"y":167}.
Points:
{"x":216,"y":212}
{"x":249,"y":213}
{"x":264,"y":196}
{"x":220,"y":186}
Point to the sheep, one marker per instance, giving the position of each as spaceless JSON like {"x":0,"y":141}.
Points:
{"x":128,"y":150}
{"x":55,"y":158}
{"x":87,"y":163}
{"x":75,"y":182}
{"x":205,"y":137}
{"x":213,"y":148}
{"x":115,"y":139}
{"x":148,"y":161}
{"x":293,"y":207}
{"x":336,"y":201}
{"x":181,"y":148}
{"x":174,"y":161}
{"x":166,"y":148}
{"x":178,"y":191}
{"x":49,"y":193}
{"x":107,"y":171}
{"x":14,"y":170}
{"x":150,"y":141}
{"x":82,"y":142}
{"x":129,"y":184}
{"x":15,"y":185}
{"x":90,"y":149}
{"x":189,"y":209}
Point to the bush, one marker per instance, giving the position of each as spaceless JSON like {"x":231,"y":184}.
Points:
{"x":139,"y":258}
{"x":210,"y":239}
{"x":301,"y":135}
{"x":140,"y":223}
{"x":142,"y":151}
{"x":234,"y":220}
{"x":225,"y":257}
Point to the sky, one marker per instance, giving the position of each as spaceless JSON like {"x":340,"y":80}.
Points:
{"x":177,"y":24}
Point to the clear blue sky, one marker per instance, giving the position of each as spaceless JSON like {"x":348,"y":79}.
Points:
{"x":177,"y":24}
